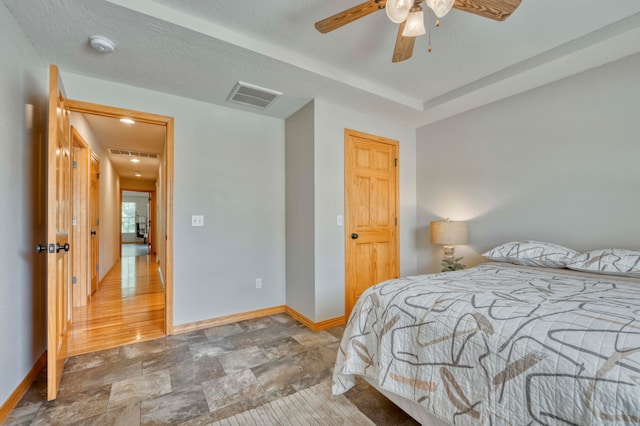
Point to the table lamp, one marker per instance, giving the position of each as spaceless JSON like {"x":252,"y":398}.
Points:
{"x":449,"y":234}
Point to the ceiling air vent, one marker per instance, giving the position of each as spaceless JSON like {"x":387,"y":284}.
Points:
{"x":133,"y":153}
{"x":253,"y":96}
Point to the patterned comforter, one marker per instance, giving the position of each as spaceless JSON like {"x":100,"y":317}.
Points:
{"x":501,"y":345}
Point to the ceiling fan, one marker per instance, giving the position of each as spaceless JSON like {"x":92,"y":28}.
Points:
{"x":408,"y":13}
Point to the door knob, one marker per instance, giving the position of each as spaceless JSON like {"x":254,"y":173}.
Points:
{"x":65,"y":247}
{"x":354,"y":236}
{"x":41,"y":248}
{"x":94,"y":233}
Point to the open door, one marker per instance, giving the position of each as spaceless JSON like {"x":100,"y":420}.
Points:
{"x":58,"y":221}
{"x":94,"y":222}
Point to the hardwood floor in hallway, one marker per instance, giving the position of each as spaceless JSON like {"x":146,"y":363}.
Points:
{"x":128,"y":307}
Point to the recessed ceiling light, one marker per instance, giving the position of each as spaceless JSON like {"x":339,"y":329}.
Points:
{"x":101,"y":44}
{"x":127,"y":121}
{"x":135,"y":160}
{"x":137,"y":174}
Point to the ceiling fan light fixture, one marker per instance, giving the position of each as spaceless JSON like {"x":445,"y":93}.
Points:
{"x":440,"y":7}
{"x":398,"y":10}
{"x":415,"y":24}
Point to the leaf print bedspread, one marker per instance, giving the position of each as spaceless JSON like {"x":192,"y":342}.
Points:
{"x":501,"y":345}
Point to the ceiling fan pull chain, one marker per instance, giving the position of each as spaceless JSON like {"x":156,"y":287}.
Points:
{"x":429,"y":25}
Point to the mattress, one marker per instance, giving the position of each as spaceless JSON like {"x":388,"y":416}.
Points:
{"x":500,"y":344}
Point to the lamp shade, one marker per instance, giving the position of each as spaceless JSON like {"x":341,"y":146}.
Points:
{"x":398,"y":10}
{"x":449,"y":233}
{"x":440,"y":7}
{"x":415,"y":23}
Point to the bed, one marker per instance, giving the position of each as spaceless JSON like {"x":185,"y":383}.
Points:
{"x":500,"y":344}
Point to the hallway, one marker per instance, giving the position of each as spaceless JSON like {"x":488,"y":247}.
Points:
{"x":129,"y":250}
{"x":128,"y":307}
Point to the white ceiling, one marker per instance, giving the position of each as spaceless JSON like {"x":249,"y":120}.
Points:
{"x":200,"y":49}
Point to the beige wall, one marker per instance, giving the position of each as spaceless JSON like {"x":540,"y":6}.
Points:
{"x":229,"y":167}
{"x":315,"y":197}
{"x":109,"y":197}
{"x":23,"y":111}
{"x":558,"y":163}
{"x":300,"y":207}
{"x":330,"y":122}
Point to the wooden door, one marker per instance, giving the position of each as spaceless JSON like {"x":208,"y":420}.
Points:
{"x":94,"y":222}
{"x":58,"y":227}
{"x":371,"y":212}
{"x":79,"y":219}
{"x":152,"y":225}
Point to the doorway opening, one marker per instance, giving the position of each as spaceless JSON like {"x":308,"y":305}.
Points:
{"x":133,"y":296}
{"x":136,"y":223}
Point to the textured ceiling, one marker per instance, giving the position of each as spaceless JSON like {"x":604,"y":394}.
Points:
{"x":200,"y":49}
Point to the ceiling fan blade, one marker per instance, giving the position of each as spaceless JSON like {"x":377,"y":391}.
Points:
{"x":343,"y":18}
{"x":404,"y":46}
{"x":498,"y":10}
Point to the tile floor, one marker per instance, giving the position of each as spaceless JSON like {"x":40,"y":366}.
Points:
{"x":196,"y":378}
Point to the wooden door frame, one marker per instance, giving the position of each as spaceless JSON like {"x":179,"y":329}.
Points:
{"x":348,"y":133}
{"x":152,"y":219}
{"x":168,"y":123}
{"x":79,"y":231}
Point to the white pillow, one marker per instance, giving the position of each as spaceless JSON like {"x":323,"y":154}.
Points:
{"x":532,"y":253}
{"x":608,"y":261}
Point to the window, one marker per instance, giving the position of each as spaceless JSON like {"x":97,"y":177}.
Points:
{"x":128,"y":218}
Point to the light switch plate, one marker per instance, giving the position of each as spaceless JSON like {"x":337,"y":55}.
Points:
{"x":339,"y":220}
{"x":197,"y":220}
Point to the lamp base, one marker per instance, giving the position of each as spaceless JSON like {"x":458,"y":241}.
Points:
{"x":449,"y":261}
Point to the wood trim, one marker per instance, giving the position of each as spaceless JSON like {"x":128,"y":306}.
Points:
{"x":168,"y":252}
{"x":315,"y":326}
{"x":331,"y":322}
{"x":120,"y":226}
{"x":115,"y":112}
{"x":151,"y":241}
{"x":213,"y":322}
{"x":23,"y":387}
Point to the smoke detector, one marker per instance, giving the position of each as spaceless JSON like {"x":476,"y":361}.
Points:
{"x":101,"y":44}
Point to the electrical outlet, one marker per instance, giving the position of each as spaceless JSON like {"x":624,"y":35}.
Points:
{"x":197,"y":220}
{"x":258,"y":282}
